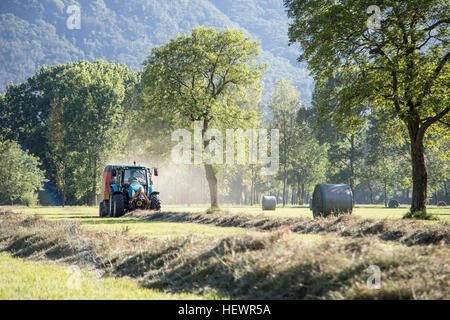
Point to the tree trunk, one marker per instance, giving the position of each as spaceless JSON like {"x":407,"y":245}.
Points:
{"x":64,"y":188}
{"x":371,"y":193}
{"x":352,"y":165}
{"x":292,"y":195}
{"x":299,"y":196}
{"x":303,"y":193}
{"x":284,"y":186}
{"x":210,"y":174}
{"x":212,"y":183}
{"x":407,"y":196}
{"x":94,"y":184}
{"x":385,"y":194}
{"x":419,"y":172}
{"x":252,"y":186}
{"x":445,"y":189}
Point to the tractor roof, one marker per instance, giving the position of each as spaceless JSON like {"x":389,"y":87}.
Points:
{"x":111,"y":167}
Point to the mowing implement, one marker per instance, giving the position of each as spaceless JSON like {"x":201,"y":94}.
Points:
{"x":127,"y":188}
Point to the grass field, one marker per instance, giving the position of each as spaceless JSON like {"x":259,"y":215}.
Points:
{"x":242,"y":252}
{"x":24,"y":279}
{"x":364,"y":211}
{"x":88,"y":216}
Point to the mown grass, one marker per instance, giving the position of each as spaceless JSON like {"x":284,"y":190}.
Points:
{"x":88,"y":216}
{"x":224,"y":223}
{"x":264,"y":265}
{"x":364,"y":211}
{"x":37,"y":280}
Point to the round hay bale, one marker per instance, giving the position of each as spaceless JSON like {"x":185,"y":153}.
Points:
{"x":269,"y":202}
{"x":393,"y":203}
{"x":441,"y":204}
{"x":331,"y":199}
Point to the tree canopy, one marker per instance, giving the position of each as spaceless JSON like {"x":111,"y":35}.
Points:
{"x":399,"y":69}
{"x":19,"y":171}
{"x":202,"y":77}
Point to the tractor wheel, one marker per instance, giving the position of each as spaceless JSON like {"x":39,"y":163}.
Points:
{"x":110,"y":206}
{"x":155,"y":202}
{"x":101,"y":210}
{"x":106,"y":208}
{"x":118,"y":205}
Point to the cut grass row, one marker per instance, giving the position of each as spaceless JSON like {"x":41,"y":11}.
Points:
{"x":89,"y":218}
{"x":254,"y":265}
{"x":174,"y":224}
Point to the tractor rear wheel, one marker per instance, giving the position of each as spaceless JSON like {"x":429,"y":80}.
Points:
{"x":118,"y":205}
{"x":101,"y":210}
{"x":155,"y":202}
{"x":106,"y":208}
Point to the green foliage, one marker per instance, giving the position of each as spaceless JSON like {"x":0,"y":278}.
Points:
{"x":20,"y":175}
{"x":201,"y":76}
{"x":310,"y":161}
{"x":386,"y":164}
{"x":283,"y":107}
{"x":71,"y":116}
{"x":29,"y":199}
{"x":419,"y":215}
{"x":400,"y":70}
{"x":208,"y":76}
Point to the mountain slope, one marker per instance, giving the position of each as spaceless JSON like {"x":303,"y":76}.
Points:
{"x":34,"y":33}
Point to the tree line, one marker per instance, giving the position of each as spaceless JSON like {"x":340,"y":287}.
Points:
{"x":379,"y":114}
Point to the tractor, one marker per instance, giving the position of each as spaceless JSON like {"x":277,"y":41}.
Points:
{"x":127,"y":188}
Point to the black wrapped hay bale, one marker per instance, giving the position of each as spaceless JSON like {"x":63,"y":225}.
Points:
{"x":269,"y":203}
{"x":331,"y":198}
{"x":393,"y":203}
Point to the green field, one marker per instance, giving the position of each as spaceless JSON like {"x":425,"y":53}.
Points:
{"x":24,"y":279}
{"x":201,"y":269}
{"x":88,"y":217}
{"x":365,"y":211}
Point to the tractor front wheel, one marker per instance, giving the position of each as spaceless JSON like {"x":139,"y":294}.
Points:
{"x":118,"y":208}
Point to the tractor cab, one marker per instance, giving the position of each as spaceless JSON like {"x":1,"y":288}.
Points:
{"x":127,"y":188}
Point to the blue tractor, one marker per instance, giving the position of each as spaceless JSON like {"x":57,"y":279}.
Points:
{"x":127,"y":188}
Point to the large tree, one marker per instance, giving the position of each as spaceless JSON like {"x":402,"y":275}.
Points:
{"x":20,"y":174}
{"x":310,"y":159}
{"x":72,"y":117}
{"x":200,"y":77}
{"x":398,"y":64}
{"x":285,"y":103}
